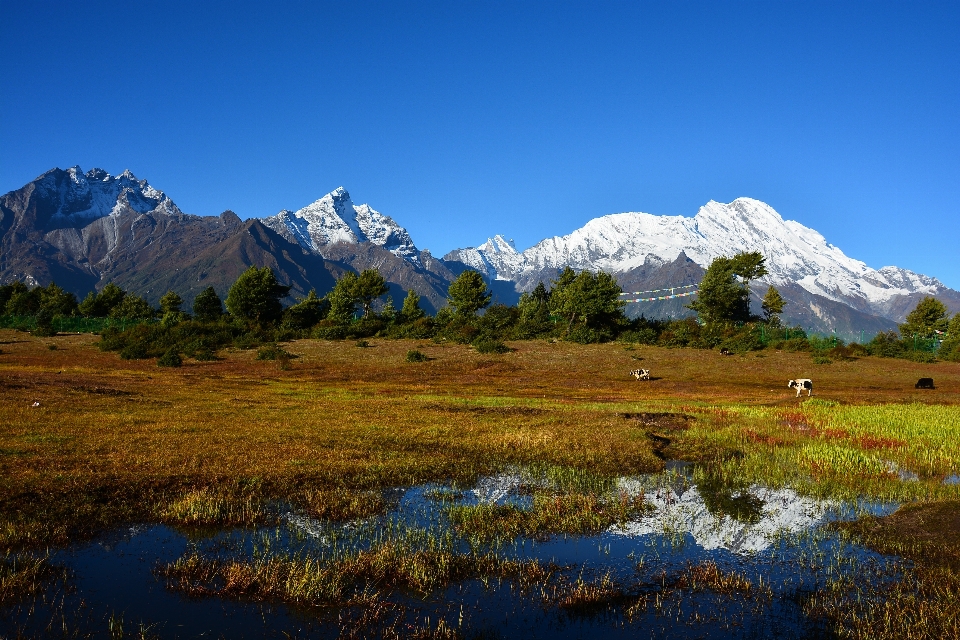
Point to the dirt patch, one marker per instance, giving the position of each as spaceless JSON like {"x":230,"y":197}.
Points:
{"x":661,"y":421}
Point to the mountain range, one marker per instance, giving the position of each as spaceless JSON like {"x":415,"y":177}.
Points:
{"x":84,"y":229}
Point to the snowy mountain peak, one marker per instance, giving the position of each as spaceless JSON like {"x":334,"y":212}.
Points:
{"x":334,"y":218}
{"x":621,"y":242}
{"x":97,"y":194}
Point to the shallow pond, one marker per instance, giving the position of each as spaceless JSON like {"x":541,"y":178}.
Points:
{"x":701,"y":560}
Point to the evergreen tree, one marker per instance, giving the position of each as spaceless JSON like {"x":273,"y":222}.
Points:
{"x":170,"y":302}
{"x":722,"y":298}
{"x":928,"y":317}
{"x":207,"y":306}
{"x":369,"y":286}
{"x":950,"y":347}
{"x":7,"y":291}
{"x":23,"y":300}
{"x":133,"y":307}
{"x":99,"y":305}
{"x":592,"y":300}
{"x":468,"y":294}
{"x":58,"y":301}
{"x":343,"y":299}
{"x":772,"y":305}
{"x":411,"y":310}
{"x":256,"y":295}
{"x":307,"y":312}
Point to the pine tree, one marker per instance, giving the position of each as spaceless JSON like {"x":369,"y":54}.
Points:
{"x":256,"y":295}
{"x":928,"y":317}
{"x":207,"y":306}
{"x":772,"y":305}
{"x":468,"y":294}
{"x":411,"y":311}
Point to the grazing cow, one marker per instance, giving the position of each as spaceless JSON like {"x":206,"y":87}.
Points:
{"x":801,"y":384}
{"x":924,"y":383}
{"x":725,"y":352}
{"x":641,"y":374}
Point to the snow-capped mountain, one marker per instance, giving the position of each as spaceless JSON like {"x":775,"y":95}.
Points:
{"x":334,"y":218}
{"x":623,"y":242}
{"x":97,"y":194}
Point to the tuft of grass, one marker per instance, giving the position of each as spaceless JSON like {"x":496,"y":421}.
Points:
{"x":574,"y":513}
{"x":23,"y":575}
{"x":387,"y":567}
{"x":212,"y":507}
{"x":341,"y":504}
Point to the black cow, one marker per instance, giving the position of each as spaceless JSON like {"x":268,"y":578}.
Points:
{"x":924,"y":383}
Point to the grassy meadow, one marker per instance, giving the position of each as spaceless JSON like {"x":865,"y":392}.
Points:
{"x":88,"y":441}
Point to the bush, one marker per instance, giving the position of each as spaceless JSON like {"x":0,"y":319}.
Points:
{"x":886,"y":344}
{"x":821,"y":359}
{"x":273,"y":352}
{"x":416,"y":356}
{"x":363,"y":344}
{"x":134,"y":351}
{"x":920,"y":356}
{"x":489,"y":345}
{"x":170,"y":359}
{"x":329,"y":330}
{"x":646,"y":335}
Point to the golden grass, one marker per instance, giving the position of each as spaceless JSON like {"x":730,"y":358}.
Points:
{"x":221,"y":442}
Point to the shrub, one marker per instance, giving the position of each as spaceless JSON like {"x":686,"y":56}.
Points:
{"x":170,"y":359}
{"x":489,"y":345}
{"x":886,"y":344}
{"x":821,"y":359}
{"x":363,"y":344}
{"x":416,"y":356}
{"x":273,"y":352}
{"x":645,"y":335}
{"x":920,"y":356}
{"x":329,"y":330}
{"x":134,"y":351}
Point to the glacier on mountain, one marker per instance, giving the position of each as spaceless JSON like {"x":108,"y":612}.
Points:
{"x":334,"y":218}
{"x":620,"y":242}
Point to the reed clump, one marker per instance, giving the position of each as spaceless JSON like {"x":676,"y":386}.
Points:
{"x":387,"y":567}
{"x":572,"y":513}
{"x":23,"y":575}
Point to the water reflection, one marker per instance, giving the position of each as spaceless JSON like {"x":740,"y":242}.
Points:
{"x":770,"y":536}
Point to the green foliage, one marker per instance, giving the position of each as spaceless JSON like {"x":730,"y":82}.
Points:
{"x":170,"y":302}
{"x":44,"y":319}
{"x":411,"y":311}
{"x":534,"y":311}
{"x":950,"y":348}
{"x":151,"y":340}
{"x":343,"y":299}
{"x":307,"y":312}
{"x":772,"y":306}
{"x":207,"y":306}
{"x":100,"y":305}
{"x":273,"y":352}
{"x":588,"y":302}
{"x":369,"y":286}
{"x":170,"y":358}
{"x":133,"y":307}
{"x":722,"y":298}
{"x":256,"y":295}
{"x":490,"y":345}
{"x":886,"y":344}
{"x":468,"y":294}
{"x":416,"y":356}
{"x":22,"y":301}
{"x":928,"y":317}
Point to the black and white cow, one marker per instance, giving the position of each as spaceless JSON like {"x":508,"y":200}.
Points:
{"x":924,"y":383}
{"x":801,"y":384}
{"x":641,"y":374}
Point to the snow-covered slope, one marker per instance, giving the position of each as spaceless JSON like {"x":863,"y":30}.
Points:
{"x":625,"y":241}
{"x":97,"y":194}
{"x":334,"y":218}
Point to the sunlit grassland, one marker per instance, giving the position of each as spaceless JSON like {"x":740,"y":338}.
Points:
{"x":236,"y":441}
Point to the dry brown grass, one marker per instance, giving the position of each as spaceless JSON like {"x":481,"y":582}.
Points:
{"x":114,"y":439}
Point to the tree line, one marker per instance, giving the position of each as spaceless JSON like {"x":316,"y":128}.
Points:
{"x":582,"y":307}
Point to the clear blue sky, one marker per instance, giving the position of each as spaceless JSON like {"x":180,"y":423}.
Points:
{"x":466,"y":119}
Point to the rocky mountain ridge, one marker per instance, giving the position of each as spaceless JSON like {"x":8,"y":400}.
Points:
{"x":85,"y":229}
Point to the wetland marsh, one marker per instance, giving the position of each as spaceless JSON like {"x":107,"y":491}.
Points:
{"x":537,"y":493}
